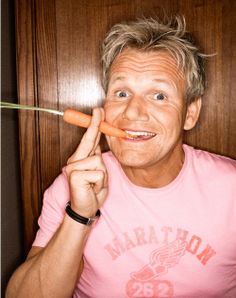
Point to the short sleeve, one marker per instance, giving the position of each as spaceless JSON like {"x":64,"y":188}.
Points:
{"x":53,"y":210}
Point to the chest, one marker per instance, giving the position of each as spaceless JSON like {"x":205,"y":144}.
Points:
{"x":158,"y":250}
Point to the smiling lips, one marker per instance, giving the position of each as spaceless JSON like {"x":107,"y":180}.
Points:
{"x":139,"y":135}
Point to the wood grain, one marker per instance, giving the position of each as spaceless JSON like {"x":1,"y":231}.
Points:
{"x":58,"y":46}
{"x":28,"y":121}
{"x":47,"y":90}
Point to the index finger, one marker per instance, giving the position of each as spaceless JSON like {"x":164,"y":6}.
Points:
{"x":91,"y":137}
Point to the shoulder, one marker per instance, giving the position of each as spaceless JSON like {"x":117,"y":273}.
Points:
{"x":211,"y":164}
{"x":59,"y":185}
{"x":58,"y":193}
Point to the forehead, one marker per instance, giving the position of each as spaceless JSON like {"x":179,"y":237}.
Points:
{"x":132,"y":61}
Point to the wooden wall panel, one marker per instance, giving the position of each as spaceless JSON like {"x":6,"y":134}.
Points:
{"x":228,"y":101}
{"x":78,"y":67}
{"x":28,"y":121}
{"x":47,"y":90}
{"x":213,"y":23}
{"x":58,"y":66}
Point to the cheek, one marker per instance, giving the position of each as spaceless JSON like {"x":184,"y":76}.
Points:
{"x":112,"y":116}
{"x":169,"y":122}
{"x":170,"y":116}
{"x":112,"y":112}
{"x":114,"y":145}
{"x":108,"y":112}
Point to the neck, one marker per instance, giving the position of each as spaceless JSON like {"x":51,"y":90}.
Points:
{"x":159,"y":174}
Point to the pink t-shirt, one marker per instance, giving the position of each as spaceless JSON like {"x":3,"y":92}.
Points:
{"x":175,"y":241}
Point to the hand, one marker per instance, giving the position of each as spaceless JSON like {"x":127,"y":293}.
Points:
{"x":86,"y":171}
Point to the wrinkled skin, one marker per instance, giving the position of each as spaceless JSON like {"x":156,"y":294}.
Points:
{"x":146,"y":92}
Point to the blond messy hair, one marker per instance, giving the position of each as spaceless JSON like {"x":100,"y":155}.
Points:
{"x":151,"y":34}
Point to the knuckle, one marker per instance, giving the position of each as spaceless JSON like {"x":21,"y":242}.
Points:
{"x":100,"y":175}
{"x":74,"y":176}
{"x":69,"y":160}
{"x":100,"y":162}
{"x":98,"y":159}
{"x":67,"y":170}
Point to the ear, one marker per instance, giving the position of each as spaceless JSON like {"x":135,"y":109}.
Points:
{"x":192,"y":113}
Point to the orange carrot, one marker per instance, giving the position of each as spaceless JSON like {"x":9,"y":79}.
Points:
{"x":83,"y":120}
{"x":73,"y":117}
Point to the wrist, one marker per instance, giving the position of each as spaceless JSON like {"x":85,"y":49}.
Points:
{"x":87,"y":221}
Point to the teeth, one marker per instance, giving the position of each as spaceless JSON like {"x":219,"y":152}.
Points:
{"x":140,"y":133}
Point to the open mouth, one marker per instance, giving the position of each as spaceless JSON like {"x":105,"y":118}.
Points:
{"x":139,"y":135}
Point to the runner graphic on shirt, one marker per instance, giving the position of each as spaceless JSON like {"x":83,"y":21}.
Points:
{"x":143,"y":283}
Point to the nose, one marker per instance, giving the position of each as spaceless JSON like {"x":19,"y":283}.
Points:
{"x":135,"y":110}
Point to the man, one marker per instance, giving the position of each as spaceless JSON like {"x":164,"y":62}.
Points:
{"x":167,"y":225}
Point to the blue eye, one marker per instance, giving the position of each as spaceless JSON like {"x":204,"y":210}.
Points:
{"x":121,"y":94}
{"x":159,"y":96}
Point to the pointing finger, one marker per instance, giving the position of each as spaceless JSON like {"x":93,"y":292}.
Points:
{"x":90,"y":138}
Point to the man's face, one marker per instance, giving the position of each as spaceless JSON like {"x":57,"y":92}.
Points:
{"x":146,"y":96}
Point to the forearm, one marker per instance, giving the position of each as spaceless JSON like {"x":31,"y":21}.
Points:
{"x":56,"y":269}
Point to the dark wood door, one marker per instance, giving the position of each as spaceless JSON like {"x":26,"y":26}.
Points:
{"x":58,"y":45}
